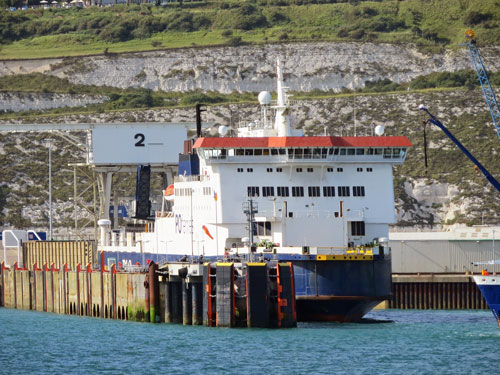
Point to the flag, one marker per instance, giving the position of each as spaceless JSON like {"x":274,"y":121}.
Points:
{"x":169,"y":190}
{"x":215,"y":196}
{"x":205,"y":229}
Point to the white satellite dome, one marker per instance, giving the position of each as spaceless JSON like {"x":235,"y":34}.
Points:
{"x":379,"y":130}
{"x":223,"y":129}
{"x":265,"y":98}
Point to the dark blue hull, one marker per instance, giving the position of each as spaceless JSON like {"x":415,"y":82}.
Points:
{"x":341,"y":290}
{"x":491,"y":294}
{"x":326,"y":290}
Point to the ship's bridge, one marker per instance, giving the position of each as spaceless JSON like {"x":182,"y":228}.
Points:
{"x":303,"y":149}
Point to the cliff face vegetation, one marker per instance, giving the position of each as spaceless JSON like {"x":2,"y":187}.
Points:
{"x":351,"y":65}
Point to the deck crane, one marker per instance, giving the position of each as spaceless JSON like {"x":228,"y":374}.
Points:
{"x":432,"y":119}
{"x":488,"y":92}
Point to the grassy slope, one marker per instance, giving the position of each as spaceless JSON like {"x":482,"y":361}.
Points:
{"x":70,"y":32}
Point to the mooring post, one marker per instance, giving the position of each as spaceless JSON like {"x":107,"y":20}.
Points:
{"x":197,"y":302}
{"x":168,"y":300}
{"x":78,"y":268}
{"x":2,"y":295}
{"x":113,"y":292}
{"x":89,"y":290}
{"x":65,"y":300}
{"x":44,"y":273}
{"x":15,"y":284}
{"x":186,"y":303}
{"x":147,"y":314}
{"x":101,"y":310}
{"x":52,"y":286}
{"x":154,"y":294}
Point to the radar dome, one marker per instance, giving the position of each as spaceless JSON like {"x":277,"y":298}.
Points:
{"x":223,"y":130}
{"x":265,"y":98}
{"x":379,"y":130}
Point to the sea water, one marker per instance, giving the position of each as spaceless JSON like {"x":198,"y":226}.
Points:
{"x":415,"y":342}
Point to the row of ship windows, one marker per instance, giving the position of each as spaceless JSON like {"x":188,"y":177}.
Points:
{"x":263,"y":228}
{"x":305,"y":153}
{"x":299,"y":170}
{"x":312,"y":191}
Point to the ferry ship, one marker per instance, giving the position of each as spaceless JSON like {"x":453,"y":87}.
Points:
{"x":267,"y":192}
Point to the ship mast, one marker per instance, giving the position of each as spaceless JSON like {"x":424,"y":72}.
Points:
{"x":282,"y":120}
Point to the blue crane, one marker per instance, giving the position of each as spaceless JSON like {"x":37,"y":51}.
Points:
{"x":435,"y":121}
{"x":488,"y":92}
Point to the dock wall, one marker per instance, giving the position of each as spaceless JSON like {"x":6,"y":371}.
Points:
{"x":439,"y":292}
{"x":80,"y":291}
{"x":223,"y":295}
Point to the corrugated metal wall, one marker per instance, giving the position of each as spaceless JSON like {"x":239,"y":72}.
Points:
{"x":443,"y":256}
{"x":59,"y":252}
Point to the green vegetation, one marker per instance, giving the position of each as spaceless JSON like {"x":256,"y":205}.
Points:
{"x":429,"y":24}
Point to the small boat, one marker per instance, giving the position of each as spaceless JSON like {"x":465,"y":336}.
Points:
{"x":489,"y":285}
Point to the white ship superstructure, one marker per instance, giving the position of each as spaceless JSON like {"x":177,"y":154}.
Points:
{"x":324,"y":193}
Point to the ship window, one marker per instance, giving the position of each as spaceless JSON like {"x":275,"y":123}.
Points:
{"x":269,"y":169}
{"x":262,"y":228}
{"x":297,"y":191}
{"x":358,"y":191}
{"x":357,"y":228}
{"x":336,"y":152}
{"x":360,"y":151}
{"x":253,"y":191}
{"x":343,"y":151}
{"x":265,"y":152}
{"x":257,"y":152}
{"x":240,"y":170}
{"x":340,"y":169}
{"x":299,"y":169}
{"x":274,"y":151}
{"x":330,"y":151}
{"x":317,"y":153}
{"x":387,"y":153}
{"x":249,"y":170}
{"x":359,"y":169}
{"x":351,"y":151}
{"x":329,"y":169}
{"x":268,"y":191}
{"x":283,"y":191}
{"x":282,"y":151}
{"x":378,"y":151}
{"x":298,"y":153}
{"x":369,"y":169}
{"x":290,"y":153}
{"x":248,"y":152}
{"x":313,"y":191}
{"x":230,"y":152}
{"x":307,"y":153}
{"x":343,"y":191}
{"x":324,"y":152}
{"x":370,"y":151}
{"x":328,"y":191}
{"x":396,"y":152}
{"x":240,"y":152}
{"x":310,"y":170}
{"x":279,"y":169}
